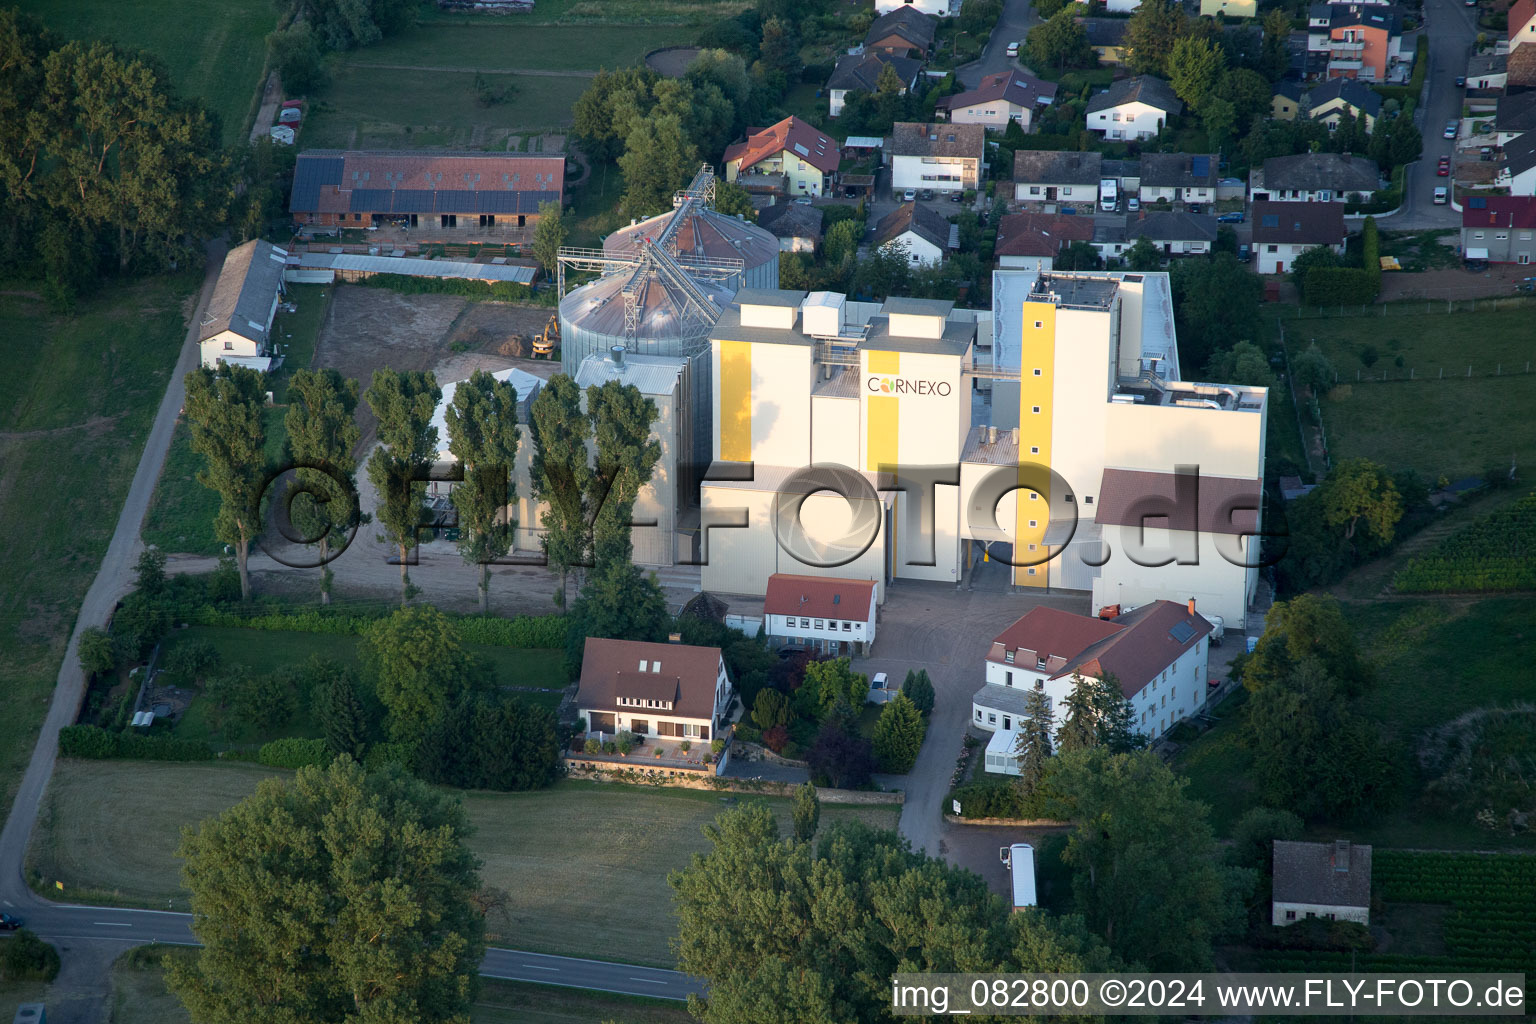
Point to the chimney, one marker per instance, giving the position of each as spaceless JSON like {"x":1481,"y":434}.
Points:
{"x":1014,"y":435}
{"x":1191,"y":606}
{"x":616,"y":355}
{"x":674,"y":638}
{"x":991,"y":435}
{"x":1341,"y":856}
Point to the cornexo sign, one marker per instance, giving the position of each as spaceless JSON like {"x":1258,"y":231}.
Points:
{"x":907,"y":386}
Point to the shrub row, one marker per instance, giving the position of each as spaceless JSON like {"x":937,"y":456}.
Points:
{"x":505,"y":291}
{"x":292,"y":752}
{"x":997,"y":798}
{"x":93,"y":742}
{"x":523,"y":631}
{"x":1339,"y":286}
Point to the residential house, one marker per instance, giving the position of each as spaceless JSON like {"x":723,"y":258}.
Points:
{"x":949,"y":157}
{"x":921,"y":230}
{"x":1517,"y":168}
{"x":1229,"y":8}
{"x":1283,"y":231}
{"x":1179,"y":177}
{"x":1522,"y":43}
{"x":826,"y":614}
{"x":436,"y":194}
{"x":905,"y":32}
{"x":1487,"y":72}
{"x":1354,"y":40}
{"x":932,"y":8}
{"x":1499,"y":229}
{"x":1285,"y":105}
{"x":1031,"y":241}
{"x":1126,"y":174}
{"x":1174,"y":233}
{"x":1110,"y":237}
{"x":1328,"y":101}
{"x":664,"y":690}
{"x":1133,"y":108}
{"x":1514,"y":116}
{"x":1158,"y":653}
{"x":1107,"y":37}
{"x":237,"y":326}
{"x":1313,"y":178}
{"x":804,"y":155}
{"x":1005,"y":97}
{"x":861,"y":73}
{"x":797,"y":227}
{"x":1327,"y":880}
{"x":1049,"y":176}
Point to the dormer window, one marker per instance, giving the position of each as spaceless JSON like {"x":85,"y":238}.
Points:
{"x":1040,"y":663}
{"x":1008,"y":657}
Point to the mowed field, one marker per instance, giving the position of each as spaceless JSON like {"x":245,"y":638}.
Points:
{"x":80,"y":395}
{"x":214,"y":49}
{"x":585,"y":864}
{"x":1455,"y":427}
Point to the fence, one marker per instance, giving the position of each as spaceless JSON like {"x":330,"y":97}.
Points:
{"x":1411,"y":374}
{"x":1418,"y":307}
{"x":1315,"y":419}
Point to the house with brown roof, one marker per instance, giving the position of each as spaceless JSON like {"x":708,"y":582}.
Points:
{"x":662,"y":691}
{"x":1032,"y":241}
{"x":945,"y":157}
{"x":1000,"y":99}
{"x":433,"y":194}
{"x":1283,"y":231}
{"x":1157,"y":653}
{"x":1327,"y":880}
{"x":903,"y":32}
{"x":797,"y":227}
{"x":825,"y":614}
{"x":802,"y":154}
{"x":920,"y":231}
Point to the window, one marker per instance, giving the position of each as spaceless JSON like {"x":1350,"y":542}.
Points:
{"x":820,"y":624}
{"x":1034,"y":190}
{"x":1271,"y":248}
{"x":1525,"y":236}
{"x":357,"y":216}
{"x":1008,"y":657}
{"x":1034,"y":449}
{"x":1032,"y":547}
{"x":991,"y":719}
{"x":1039,"y":324}
{"x":1031,"y":572}
{"x":1037,"y":369}
{"x":1088,"y":500}
{"x":1290,"y":915}
{"x":805,"y":623}
{"x":229,"y":346}
{"x":1034,"y":496}
{"x":1008,"y":724}
{"x":847,"y":627}
{"x":1174,"y":693}
{"x":1477,"y":235}
{"x":1500,"y":236}
{"x":1035,"y":410}
{"x":978,"y":714}
{"x":1034,"y":522}
{"x":1007,"y":678}
{"x":1115,"y":116}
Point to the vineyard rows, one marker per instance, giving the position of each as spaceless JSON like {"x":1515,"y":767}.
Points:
{"x":1498,"y":552}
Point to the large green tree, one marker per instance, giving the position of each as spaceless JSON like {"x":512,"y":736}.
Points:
{"x":224,"y":414}
{"x":1146,"y":871}
{"x":419,"y":666}
{"x":338,"y":706}
{"x":335,"y":896}
{"x":483,"y":437}
{"x":806,"y":812}
{"x":322,"y":438}
{"x":1143,"y":256}
{"x":1059,"y":42}
{"x":898,"y":736}
{"x":626,"y":456}
{"x":659,"y":158}
{"x":1080,"y":727}
{"x":1361,"y":493}
{"x":617,"y":602}
{"x":1195,"y":69}
{"x":1307,"y":626}
{"x":404,"y":402}
{"x":1151,"y":34}
{"x":1215,"y":303}
{"x":1032,"y":748}
{"x":562,"y":474}
{"x":549,"y":234}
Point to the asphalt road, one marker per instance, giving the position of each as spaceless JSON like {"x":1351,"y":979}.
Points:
{"x":1013,"y":25}
{"x":1452,"y":28}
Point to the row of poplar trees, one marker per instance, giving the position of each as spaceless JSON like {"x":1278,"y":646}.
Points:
{"x":588,"y":464}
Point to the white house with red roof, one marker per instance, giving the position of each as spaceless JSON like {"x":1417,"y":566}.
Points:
{"x":806,"y":156}
{"x":825,"y":614}
{"x":1158,"y":652}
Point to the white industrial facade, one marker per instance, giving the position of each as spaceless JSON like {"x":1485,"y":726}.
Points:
{"x":1085,"y":383}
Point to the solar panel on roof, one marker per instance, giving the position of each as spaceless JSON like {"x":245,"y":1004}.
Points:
{"x":1181,"y":632}
{"x":1271,"y":220}
{"x":1478,"y":203}
{"x":1200,"y":166}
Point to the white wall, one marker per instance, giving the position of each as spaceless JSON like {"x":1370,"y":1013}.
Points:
{"x":925,"y":172}
{"x":1127,"y":121}
{"x":920,"y":251}
{"x":1279,"y":917}
{"x":1217,"y":585}
{"x":1036,"y":192}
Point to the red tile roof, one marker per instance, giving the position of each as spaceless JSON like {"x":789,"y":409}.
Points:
{"x":680,"y":673}
{"x":1500,"y":211}
{"x":1135,"y":647}
{"x":1049,"y":633}
{"x":792,"y":134}
{"x":1040,"y":234}
{"x":1520,"y":14}
{"x":826,"y":597}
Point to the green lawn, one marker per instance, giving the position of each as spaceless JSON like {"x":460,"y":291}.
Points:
{"x":630,"y":12}
{"x":1435,"y":659}
{"x":585,"y":864}
{"x":508,"y":44}
{"x":80,"y":395}
{"x":299,"y":332}
{"x":14,"y":993}
{"x":1454,"y":427}
{"x":214,"y":49}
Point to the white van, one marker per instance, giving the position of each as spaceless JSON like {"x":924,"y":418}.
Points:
{"x":1109,"y":195}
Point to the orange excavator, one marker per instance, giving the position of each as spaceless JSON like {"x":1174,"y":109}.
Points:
{"x":545,"y":341}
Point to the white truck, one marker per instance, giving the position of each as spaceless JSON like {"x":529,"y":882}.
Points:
{"x":1109,"y":194}
{"x":1019,"y":859}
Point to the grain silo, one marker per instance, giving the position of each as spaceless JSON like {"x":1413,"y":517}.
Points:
{"x":704,"y":233}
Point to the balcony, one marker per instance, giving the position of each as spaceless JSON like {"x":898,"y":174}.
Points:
{"x":1345,"y":49}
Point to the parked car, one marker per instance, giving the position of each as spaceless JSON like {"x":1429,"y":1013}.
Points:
{"x":955,"y":197}
{"x":1013,"y":49}
{"x":1244,"y":253}
{"x":1452,"y":127}
{"x":1461,"y":81}
{"x":1444,"y":167}
{"x":1194,"y":207}
{"x":1442,"y":195}
{"x":850,"y":193}
{"x":909,"y":196}
{"x":927,"y":193}
{"x":803,"y":201}
{"x":1132,"y":204}
{"x":1235,"y":217}
{"x":9,"y":923}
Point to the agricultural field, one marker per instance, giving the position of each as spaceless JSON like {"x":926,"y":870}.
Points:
{"x":1498,"y":552}
{"x":213,"y":49}
{"x":81,"y":394}
{"x":568,"y":856}
{"x":1455,"y":427}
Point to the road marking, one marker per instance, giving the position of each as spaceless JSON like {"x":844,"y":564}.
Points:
{"x":648,"y":981}
{"x":536,"y":967}
{"x":113,"y":924}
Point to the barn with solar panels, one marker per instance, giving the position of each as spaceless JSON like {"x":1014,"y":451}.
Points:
{"x":434,"y":195}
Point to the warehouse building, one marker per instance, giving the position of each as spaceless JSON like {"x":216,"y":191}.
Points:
{"x":1094,"y":468}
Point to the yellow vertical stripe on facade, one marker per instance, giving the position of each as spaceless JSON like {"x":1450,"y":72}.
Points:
{"x":1037,"y":352}
{"x":882,"y":424}
{"x":736,"y":401}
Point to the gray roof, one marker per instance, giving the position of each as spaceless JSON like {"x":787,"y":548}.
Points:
{"x":770,"y":297}
{"x":1175,"y":226}
{"x":1120,"y":168}
{"x":914,"y":26}
{"x":923,"y":221}
{"x":1012,"y":700}
{"x":978,"y":450}
{"x":960,"y":140}
{"x":958,"y":336}
{"x":1487,"y":64}
{"x":1520,"y":154}
{"x":862,"y":71}
{"x":1308,"y":171}
{"x":242,"y":299}
{"x":901,"y":305}
{"x":1516,"y":112}
{"x":1143,"y":88}
{"x":651,"y":375}
{"x":1311,"y":873}
{"x":1057,"y":167}
{"x":1179,"y":170}
{"x":1357,"y":94}
{"x":791,"y":220}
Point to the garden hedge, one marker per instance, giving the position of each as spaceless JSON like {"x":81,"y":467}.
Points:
{"x":522,"y":631}
{"x":90,"y":741}
{"x":1339,"y":286}
{"x":292,"y":752}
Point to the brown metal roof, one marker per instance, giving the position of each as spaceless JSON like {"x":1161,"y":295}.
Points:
{"x":684,"y":674}
{"x":1129,"y":497}
{"x":826,"y":597}
{"x":1310,"y":873}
